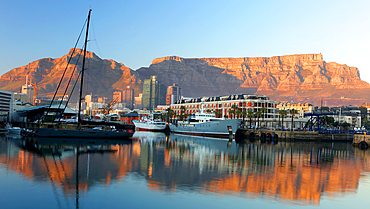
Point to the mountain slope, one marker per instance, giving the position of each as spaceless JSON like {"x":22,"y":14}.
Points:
{"x":297,"y":78}
{"x":101,"y":76}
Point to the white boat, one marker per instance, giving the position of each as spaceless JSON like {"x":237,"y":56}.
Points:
{"x":13,"y":130}
{"x":150,"y":125}
{"x":206,"y":124}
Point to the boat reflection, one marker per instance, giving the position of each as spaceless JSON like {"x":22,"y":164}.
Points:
{"x":291,"y":172}
{"x":148,"y":136}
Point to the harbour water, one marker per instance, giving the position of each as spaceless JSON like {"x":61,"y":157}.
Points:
{"x":179,"y":171}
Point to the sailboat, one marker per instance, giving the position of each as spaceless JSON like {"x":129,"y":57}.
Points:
{"x":123,"y":132}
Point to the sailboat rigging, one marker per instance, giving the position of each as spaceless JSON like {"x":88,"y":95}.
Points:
{"x":83,"y":70}
{"x":120,"y":130}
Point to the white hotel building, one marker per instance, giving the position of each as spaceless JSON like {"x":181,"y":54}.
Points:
{"x":223,"y":104}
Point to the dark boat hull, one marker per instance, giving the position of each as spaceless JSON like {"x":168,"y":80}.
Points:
{"x":65,"y":133}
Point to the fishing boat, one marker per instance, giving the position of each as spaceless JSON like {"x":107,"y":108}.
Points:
{"x":119,"y":131}
{"x":206,"y":124}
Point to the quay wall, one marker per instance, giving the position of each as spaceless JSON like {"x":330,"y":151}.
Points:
{"x":296,"y":135}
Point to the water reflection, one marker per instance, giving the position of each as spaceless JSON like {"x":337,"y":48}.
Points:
{"x":286,"y":172}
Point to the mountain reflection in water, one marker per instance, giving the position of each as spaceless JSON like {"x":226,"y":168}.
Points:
{"x":287,"y":172}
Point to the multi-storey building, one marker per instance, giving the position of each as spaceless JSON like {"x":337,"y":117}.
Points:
{"x":117,"y":96}
{"x":6,"y":105}
{"x":348,"y":114}
{"x":154,"y":93}
{"x":173,"y":94}
{"x":128,"y":97}
{"x":301,"y":108}
{"x":103,"y":100}
{"x":138,"y":101}
{"x":222,"y":106}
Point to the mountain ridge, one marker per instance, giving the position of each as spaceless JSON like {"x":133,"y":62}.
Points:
{"x":297,"y":78}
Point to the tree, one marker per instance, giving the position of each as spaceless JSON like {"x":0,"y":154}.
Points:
{"x":282,"y":113}
{"x":226,"y":116}
{"x":232,"y":112}
{"x":250,"y":116}
{"x":244,"y":114}
{"x":170,"y":113}
{"x":183,"y":110}
{"x":208,"y":111}
{"x":345,"y":125}
{"x":238,"y":112}
{"x":234,"y":107}
{"x":218,"y":114}
{"x":292,"y":113}
{"x":263,"y":110}
{"x":258,"y":114}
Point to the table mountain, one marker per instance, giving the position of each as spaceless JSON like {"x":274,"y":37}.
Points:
{"x":297,"y":78}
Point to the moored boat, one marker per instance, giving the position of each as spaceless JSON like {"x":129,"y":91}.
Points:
{"x":13,"y":130}
{"x":206,"y":124}
{"x":150,"y":125}
{"x":86,"y":133}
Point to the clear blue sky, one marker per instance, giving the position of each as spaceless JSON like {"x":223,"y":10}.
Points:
{"x":134,"y":32}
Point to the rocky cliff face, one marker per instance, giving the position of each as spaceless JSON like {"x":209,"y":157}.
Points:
{"x":305,"y":77}
{"x":297,"y":78}
{"x":101,"y":76}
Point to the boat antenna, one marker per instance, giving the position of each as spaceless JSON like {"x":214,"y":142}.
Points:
{"x":82,"y":72}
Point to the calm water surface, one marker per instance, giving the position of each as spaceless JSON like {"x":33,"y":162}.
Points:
{"x":177,"y":171}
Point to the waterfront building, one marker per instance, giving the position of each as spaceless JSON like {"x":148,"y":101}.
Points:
{"x":348,"y":114}
{"x":154,"y":93}
{"x":42,"y":101}
{"x":301,"y":108}
{"x":222,"y":107}
{"x":128,"y":97}
{"x":173,"y":94}
{"x":6,"y":105}
{"x":128,"y":118}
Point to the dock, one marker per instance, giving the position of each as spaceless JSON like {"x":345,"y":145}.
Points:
{"x":243,"y":134}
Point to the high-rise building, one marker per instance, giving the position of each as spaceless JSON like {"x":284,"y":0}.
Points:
{"x":129,"y":97}
{"x":138,"y":101}
{"x":173,"y":94}
{"x":154,"y":93}
{"x":103,"y":100}
{"x":88,"y":99}
{"x":117,"y":96}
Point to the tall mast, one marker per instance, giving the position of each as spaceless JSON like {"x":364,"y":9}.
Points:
{"x":83,"y":69}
